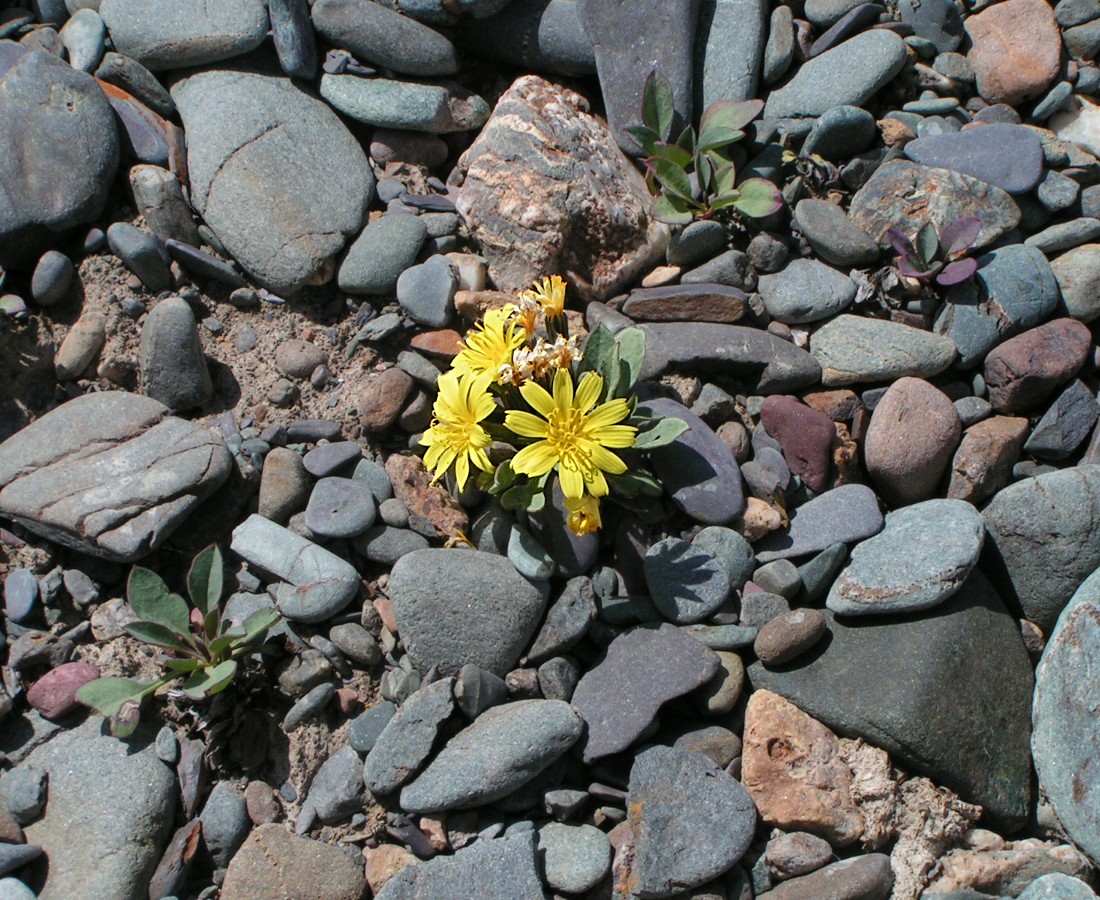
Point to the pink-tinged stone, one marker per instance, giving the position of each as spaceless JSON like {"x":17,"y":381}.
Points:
{"x":1023,"y":372}
{"x":983,"y":463}
{"x":54,"y":694}
{"x":913,"y":433}
{"x":1016,"y":50}
{"x":806,"y":436}
{"x":382,"y":398}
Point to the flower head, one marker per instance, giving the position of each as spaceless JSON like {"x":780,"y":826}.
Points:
{"x":455,"y":436}
{"x":584,"y":514}
{"x":573,"y":434}
{"x":491,"y":345}
{"x":550,"y":295}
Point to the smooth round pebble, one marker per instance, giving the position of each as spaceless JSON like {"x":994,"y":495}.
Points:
{"x":686,"y":583}
{"x":788,"y":636}
{"x":51,"y":279}
{"x":339,"y":508}
{"x":574,"y":857}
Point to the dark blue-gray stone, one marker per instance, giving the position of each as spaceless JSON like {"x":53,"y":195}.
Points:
{"x":336,"y":792}
{"x":731,"y":550}
{"x":779,"y":50}
{"x":853,"y":21}
{"x":173,"y":368}
{"x":386,"y":545}
{"x":426,"y":292}
{"x":225,"y":822}
{"x":818,"y":573}
{"x":833,"y":236}
{"x":730,"y":44}
{"x":15,"y":856}
{"x":686,"y":583}
{"x":1013,"y":290}
{"x":539,"y":35}
{"x":921,"y":557}
{"x":52,"y":277}
{"x":1066,"y":235}
{"x":937,"y":21}
{"x":1065,"y":726}
{"x":199,"y":262}
{"x":697,"y":469}
{"x":839,"y":516}
{"x":365,"y":728}
{"x":528,"y":555}
{"x":931,"y":689}
{"x":841,"y":132}
{"x":575,"y":857}
{"x":573,"y":554}
{"x":1065,"y":425}
{"x":1008,"y":156}
{"x":567,"y":620}
{"x":806,"y":291}
{"x":697,"y":242}
{"x":731,"y":268}
{"x":407,"y":739}
{"x":20,"y":594}
{"x":143,"y":254}
{"x":340,"y":508}
{"x":134,"y":78}
{"x":292,"y":32}
{"x":328,"y":459}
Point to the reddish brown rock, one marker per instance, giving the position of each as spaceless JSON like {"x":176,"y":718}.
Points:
{"x":544,"y":189}
{"x":383,"y":862}
{"x":472,"y":305}
{"x":913,"y":433}
{"x":1005,"y":868}
{"x":805,"y":435}
{"x":686,"y":303}
{"x":1023,"y":372}
{"x":839,"y":405}
{"x":983,"y":463}
{"x":440,"y":346}
{"x":262,"y":804}
{"x":54,"y":694}
{"x":10,"y":832}
{"x":383,"y":397}
{"x":788,"y":636}
{"x":272,"y":862}
{"x":1016,"y":50}
{"x":412,"y":486}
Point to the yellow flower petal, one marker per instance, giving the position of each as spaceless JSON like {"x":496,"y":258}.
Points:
{"x":537,"y":398}
{"x":535,"y":460}
{"x":572,"y":482}
{"x":588,"y":392}
{"x":563,"y":390}
{"x":525,"y":424}
{"x":606,"y":460}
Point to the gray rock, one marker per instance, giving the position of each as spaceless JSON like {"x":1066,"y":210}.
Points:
{"x":387,"y":247}
{"x":838,"y":516}
{"x":825,"y":13}
{"x":109,"y":474}
{"x":143,"y":254}
{"x":929,"y":688}
{"x":1056,"y":886}
{"x":567,"y":620}
{"x":23,"y":793}
{"x":618,"y":706}
{"x":806,"y":291}
{"x":159,"y":198}
{"x":1008,"y":156}
{"x":385,"y":544}
{"x":779,"y":577}
{"x":173,"y":369}
{"x":52,"y":278}
{"x":13,"y":888}
{"x":15,"y":856}
{"x":1066,"y":235}
{"x":834,"y":237}
{"x":769,"y":364}
{"x":498,"y":869}
{"x":502,"y":750}
{"x":1078,"y":276}
{"x":574,"y":858}
{"x":391,"y":104}
{"x":173,"y":34}
{"x":459,"y":607}
{"x":225,"y":822}
{"x":906,"y":195}
{"x":319,"y":583}
{"x":312,"y":704}
{"x":251,"y":137}
{"x":426,"y":292}
{"x":869,"y":877}
{"x":731,"y":550}
{"x":1044,"y":540}
{"x":1065,"y":425}
{"x":921,"y":558}
{"x":697,"y":469}
{"x":779,"y":50}
{"x":853,"y":349}
{"x":407,"y":740}
{"x":732,"y":268}
{"x":697,"y":242}
{"x":558,"y":678}
{"x":336,"y":791}
{"x":21,"y":594}
{"x":686,"y":584}
{"x":849,"y":74}
{"x":937,"y":21}
{"x":355,"y":642}
{"x":130,"y":75}
{"x":540,"y":37}
{"x":292,"y":33}
{"x":83,"y":36}
{"x":367,"y":727}
{"x":691,"y":821}
{"x":117,"y":790}
{"x":731,"y":35}
{"x":572,"y":554}
{"x":382,"y":36}
{"x":64,"y":115}
{"x":328,"y":459}
{"x":339,"y":508}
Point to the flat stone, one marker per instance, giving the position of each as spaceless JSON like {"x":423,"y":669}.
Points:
{"x":502,"y":750}
{"x":165,"y":34}
{"x":852,"y":349}
{"x":733,"y":34}
{"x":1015,"y":50}
{"x":458,"y":607}
{"x":922,"y":556}
{"x":110,"y":474}
{"x":616,"y":705}
{"x":426,"y":292}
{"x":868,"y":877}
{"x":929,"y":688}
{"x":83,"y":36}
{"x":542,"y":143}
{"x":293,"y":36}
{"x":1066,"y":235}
{"x":20,"y":594}
{"x":173,"y":368}
{"x":225,"y":822}
{"x":914,"y":432}
{"x":52,"y":278}
{"x":983,"y":463}
{"x":788,"y":636}
{"x":805,"y":436}
{"x":697,"y":469}
{"x":81,"y":346}
{"x":686,"y":583}
{"x":1008,"y":156}
{"x":806,"y":290}
{"x":1044,"y":540}
{"x":406,"y":741}
{"x":1065,"y":425}
{"x":387,"y":247}
{"x":54,"y":694}
{"x":386,"y":545}
{"x":319,"y":583}
{"x":797,"y":853}
{"x":780,"y":48}
{"x":273,"y":862}
{"x":847,"y":75}
{"x":1078,"y":274}
{"x":575,"y":858}
{"x":404,"y":105}
{"x":340,"y":508}
{"x":730,"y":549}
{"x":251,"y":137}
{"x":842,"y":515}
{"x":840,"y":133}
{"x":691,"y":821}
{"x":143,"y":254}
{"x":1024,"y":371}
{"x":937,"y":21}
{"x":686,"y":303}
{"x":906,"y":195}
{"x":834,"y":237}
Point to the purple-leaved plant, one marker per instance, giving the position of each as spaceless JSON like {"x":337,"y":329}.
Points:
{"x":941,"y":258}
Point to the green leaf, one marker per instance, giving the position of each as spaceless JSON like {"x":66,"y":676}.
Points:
{"x":181,"y":666}
{"x":676,"y":155}
{"x":504,"y":477}
{"x":106,"y":695}
{"x":721,"y":201}
{"x":725,"y":180}
{"x":209,"y":681}
{"x":759,"y":198}
{"x":599,"y":344}
{"x":631,"y":343}
{"x":159,"y":636}
{"x":631,"y":484}
{"x":686,"y":140}
{"x":519,"y":497}
{"x":668,"y":210}
{"x":672,"y":178}
{"x":212,"y":624}
{"x":658,"y":108}
{"x":125,"y":722}
{"x":205,"y":581}
{"x":728,"y":115}
{"x":644,"y":136}
{"x":151,"y":601}
{"x":717,"y":139}
{"x":927,"y":242}
{"x":661,"y":434}
{"x":256,"y":624}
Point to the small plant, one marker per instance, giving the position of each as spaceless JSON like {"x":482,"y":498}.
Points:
{"x":940,"y":258}
{"x":692,"y":177}
{"x":196,"y":641}
{"x":522,"y":380}
{"x":816,"y":172}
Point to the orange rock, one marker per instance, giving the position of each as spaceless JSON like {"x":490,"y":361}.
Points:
{"x":412,"y":486}
{"x":983,"y":463}
{"x":383,"y":862}
{"x":1016,"y":50}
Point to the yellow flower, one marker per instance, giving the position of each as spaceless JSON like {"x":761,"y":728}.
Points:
{"x":550,"y":295}
{"x":455,"y":437}
{"x":491,"y":345}
{"x":573,"y":437}
{"x":584,"y":515}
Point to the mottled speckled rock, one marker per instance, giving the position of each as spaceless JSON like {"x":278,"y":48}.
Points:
{"x":1016,"y":50}
{"x":847,"y":513}
{"x":852,"y":349}
{"x":591,"y":221}
{"x":273,"y":862}
{"x":1023,"y":372}
{"x":983,"y":463}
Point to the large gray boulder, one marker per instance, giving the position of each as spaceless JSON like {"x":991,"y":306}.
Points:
{"x":274,"y":172}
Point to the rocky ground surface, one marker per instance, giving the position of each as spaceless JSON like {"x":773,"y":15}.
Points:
{"x":850,"y":653}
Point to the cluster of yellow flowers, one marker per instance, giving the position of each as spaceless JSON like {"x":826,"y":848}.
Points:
{"x":512,"y":380}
